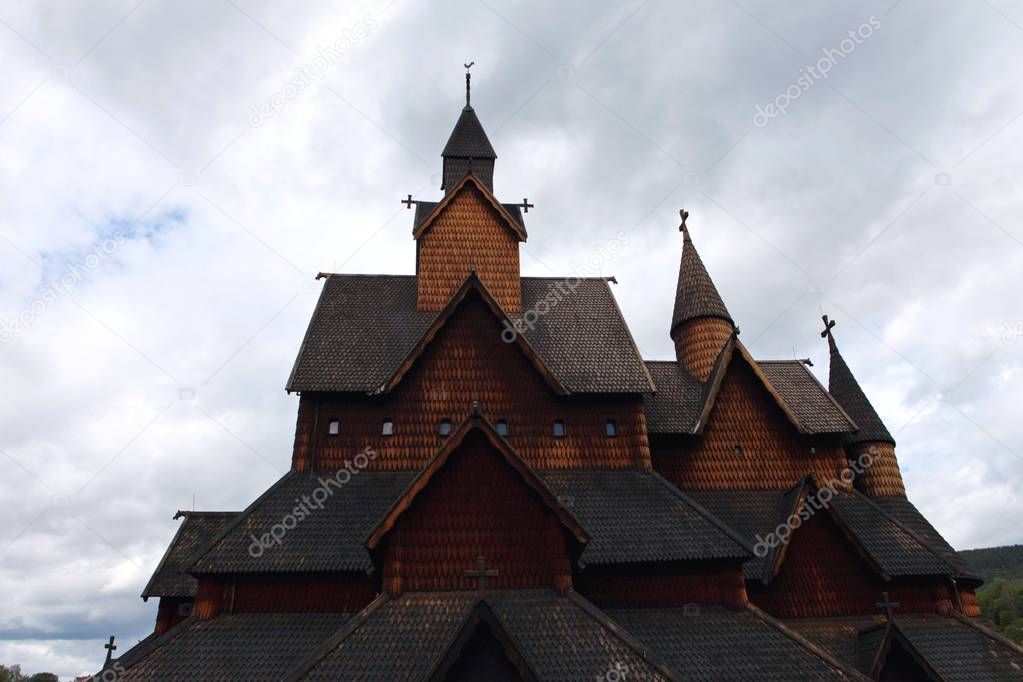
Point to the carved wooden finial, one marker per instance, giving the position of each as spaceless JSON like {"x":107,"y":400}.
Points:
{"x":408,"y":202}
{"x":828,"y":326}
{"x":888,"y":605}
{"x":110,"y":647}
{"x":481,"y":574}
{"x":684,"y":214}
{"x":467,"y":77}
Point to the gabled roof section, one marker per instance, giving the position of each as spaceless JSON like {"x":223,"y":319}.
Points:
{"x":425,"y":208}
{"x":472,"y":284}
{"x":475,"y":423}
{"x":483,"y":615}
{"x":198,"y":528}
{"x":717,"y":377}
{"x":877,"y":643}
{"x":815,"y":408}
{"x":514,"y":225}
{"x":846,"y":390}
{"x":468,"y":139}
{"x":695,"y":295}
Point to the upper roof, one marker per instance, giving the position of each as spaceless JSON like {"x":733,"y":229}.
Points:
{"x":198,"y":528}
{"x":364,"y":326}
{"x":425,"y":208}
{"x":468,"y":140}
{"x":843,"y":385}
{"x":695,"y":296}
{"x":682,"y":401}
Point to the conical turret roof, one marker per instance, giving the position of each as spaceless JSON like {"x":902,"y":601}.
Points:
{"x":695,"y":295}
{"x":846,"y":390}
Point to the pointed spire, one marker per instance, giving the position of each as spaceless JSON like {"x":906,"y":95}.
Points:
{"x":846,"y":390}
{"x":468,"y":148}
{"x":695,"y":296}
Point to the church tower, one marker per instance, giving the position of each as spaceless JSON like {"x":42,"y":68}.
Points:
{"x":700,"y":324}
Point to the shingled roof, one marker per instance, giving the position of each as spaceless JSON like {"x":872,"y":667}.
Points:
{"x":425,"y":208}
{"x":364,"y":326}
{"x":893,"y":550}
{"x":198,"y":528}
{"x":637,"y":516}
{"x":328,"y":539}
{"x":560,"y":637}
{"x":681,"y":399}
{"x":695,"y":295}
{"x":468,"y":139}
{"x":955,"y":648}
{"x":846,"y":390}
{"x":715,"y":643}
{"x":245,"y":647}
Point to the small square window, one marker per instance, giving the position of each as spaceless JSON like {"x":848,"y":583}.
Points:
{"x":444,"y":429}
{"x":559,"y":429}
{"x":388,"y":428}
{"x":334,"y":427}
{"x":502,"y":428}
{"x":611,"y":428}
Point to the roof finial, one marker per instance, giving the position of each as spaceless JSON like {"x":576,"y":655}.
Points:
{"x":828,"y":326}
{"x":467,"y":77}
{"x":684,"y":214}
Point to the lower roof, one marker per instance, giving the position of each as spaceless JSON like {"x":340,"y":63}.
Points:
{"x":198,"y":528}
{"x":956,"y":648}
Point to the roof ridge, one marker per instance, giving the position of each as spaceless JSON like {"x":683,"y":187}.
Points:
{"x":332,"y":642}
{"x":605,"y":621}
{"x":820,"y":651}
{"x":163,"y":559}
{"x":632,"y":339}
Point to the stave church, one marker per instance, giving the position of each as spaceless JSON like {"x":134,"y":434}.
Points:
{"x":489,"y":482}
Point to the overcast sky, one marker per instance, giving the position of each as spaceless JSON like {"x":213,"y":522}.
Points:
{"x":183,"y":220}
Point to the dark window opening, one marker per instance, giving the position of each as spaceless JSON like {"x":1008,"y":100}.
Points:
{"x":388,"y":429}
{"x":444,"y":428}
{"x":334,"y":427}
{"x":559,"y":429}
{"x":610,"y":428}
{"x":502,"y":428}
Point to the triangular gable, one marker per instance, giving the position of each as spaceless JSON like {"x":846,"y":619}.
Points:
{"x":483,"y":615}
{"x":469,"y":178}
{"x":790,"y":504}
{"x":475,"y":423}
{"x":895,"y":650}
{"x":471,"y":284}
{"x":717,"y":377}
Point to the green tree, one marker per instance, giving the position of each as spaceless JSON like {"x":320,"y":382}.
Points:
{"x":1001,"y":602}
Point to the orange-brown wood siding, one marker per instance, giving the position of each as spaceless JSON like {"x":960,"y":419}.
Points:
{"x":882,"y":477}
{"x":699,"y":342}
{"x":284,"y":592}
{"x":476,"y":505}
{"x":468,"y":234}
{"x":468,"y":361}
{"x":774,"y":455}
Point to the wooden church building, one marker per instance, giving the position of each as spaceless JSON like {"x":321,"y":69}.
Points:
{"x":489,"y":482}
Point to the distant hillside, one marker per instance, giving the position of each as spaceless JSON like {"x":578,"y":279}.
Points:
{"x":996,"y":562}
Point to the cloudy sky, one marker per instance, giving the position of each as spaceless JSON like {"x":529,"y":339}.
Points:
{"x":169,"y":194}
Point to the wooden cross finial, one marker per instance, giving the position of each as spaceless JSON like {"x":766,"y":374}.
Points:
{"x":408,"y":202}
{"x":828,"y":326}
{"x":684,"y":214}
{"x":888,"y":605}
{"x":481,"y":574}
{"x":109,"y":646}
{"x":525,"y":205}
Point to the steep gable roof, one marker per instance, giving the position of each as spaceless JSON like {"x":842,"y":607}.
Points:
{"x":472,"y":285}
{"x":516,"y":226}
{"x":475,"y":423}
{"x":364,"y":326}
{"x":199,"y":527}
